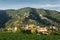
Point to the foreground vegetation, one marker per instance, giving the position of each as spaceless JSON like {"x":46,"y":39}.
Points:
{"x":21,"y":36}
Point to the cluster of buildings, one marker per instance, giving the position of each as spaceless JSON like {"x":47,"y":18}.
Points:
{"x":39,"y":29}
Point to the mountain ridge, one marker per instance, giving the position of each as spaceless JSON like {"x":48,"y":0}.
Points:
{"x":30,"y":15}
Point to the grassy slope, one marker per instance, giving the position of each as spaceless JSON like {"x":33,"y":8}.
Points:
{"x":19,"y":36}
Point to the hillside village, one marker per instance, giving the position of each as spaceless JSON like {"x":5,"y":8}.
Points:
{"x":33,"y":20}
{"x":29,"y":19}
{"x":33,"y":28}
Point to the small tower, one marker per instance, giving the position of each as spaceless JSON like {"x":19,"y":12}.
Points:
{"x":53,"y":28}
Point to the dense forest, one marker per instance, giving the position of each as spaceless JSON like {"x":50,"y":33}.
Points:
{"x":27,"y":15}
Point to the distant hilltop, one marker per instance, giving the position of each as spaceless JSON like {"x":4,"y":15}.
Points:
{"x":28,"y":15}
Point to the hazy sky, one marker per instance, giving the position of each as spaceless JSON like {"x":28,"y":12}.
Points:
{"x":16,"y":4}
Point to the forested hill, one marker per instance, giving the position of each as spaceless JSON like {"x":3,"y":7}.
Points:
{"x":27,"y":15}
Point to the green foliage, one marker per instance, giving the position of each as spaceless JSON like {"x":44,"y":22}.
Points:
{"x":21,"y":36}
{"x":28,"y":31}
{"x":18,"y":30}
{"x":54,"y":33}
{"x":34,"y":31}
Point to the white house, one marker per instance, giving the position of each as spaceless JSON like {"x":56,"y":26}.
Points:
{"x":42,"y":30}
{"x":53,"y":28}
{"x":14,"y":29}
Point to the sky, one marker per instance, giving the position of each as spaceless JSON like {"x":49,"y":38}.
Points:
{"x":17,"y":4}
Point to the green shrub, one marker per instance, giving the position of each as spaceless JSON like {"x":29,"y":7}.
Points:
{"x":34,"y":31}
{"x":54,"y":33}
{"x":18,"y":30}
{"x":26,"y":31}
